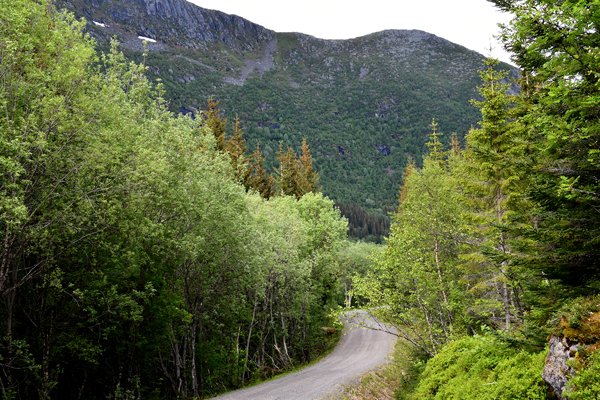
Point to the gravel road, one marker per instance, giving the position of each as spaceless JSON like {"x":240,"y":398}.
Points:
{"x":360,"y":350}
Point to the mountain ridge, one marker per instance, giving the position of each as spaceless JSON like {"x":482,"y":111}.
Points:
{"x":176,"y":22}
{"x":364,"y":104}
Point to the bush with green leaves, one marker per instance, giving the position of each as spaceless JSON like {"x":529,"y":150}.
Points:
{"x":585,"y":384}
{"x":482,"y":367}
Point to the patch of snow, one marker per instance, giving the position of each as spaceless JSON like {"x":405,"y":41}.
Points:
{"x":147,"y":39}
{"x":100,"y":24}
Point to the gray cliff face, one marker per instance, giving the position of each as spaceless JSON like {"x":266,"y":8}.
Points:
{"x":175,"y":22}
{"x":556,"y":369}
{"x":206,"y":25}
{"x":184,"y":25}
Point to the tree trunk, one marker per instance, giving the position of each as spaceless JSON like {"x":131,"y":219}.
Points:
{"x":248,"y":341}
{"x":193,"y":371}
{"x":503,"y":247}
{"x":506,"y":298}
{"x":442,"y":284}
{"x":429,"y":325}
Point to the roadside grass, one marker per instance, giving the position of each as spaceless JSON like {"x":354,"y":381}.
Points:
{"x":330,"y":342}
{"x":394,"y":381}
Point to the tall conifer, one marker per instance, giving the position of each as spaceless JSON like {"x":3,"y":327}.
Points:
{"x":215,"y":121}
{"x":256,"y":176}
{"x":489,"y":155}
{"x":235,"y":146}
{"x":310,"y":176}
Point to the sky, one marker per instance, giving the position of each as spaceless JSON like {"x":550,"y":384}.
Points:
{"x":471,"y":23}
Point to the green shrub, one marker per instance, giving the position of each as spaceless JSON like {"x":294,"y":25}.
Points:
{"x":482,"y":367}
{"x":585,"y":385}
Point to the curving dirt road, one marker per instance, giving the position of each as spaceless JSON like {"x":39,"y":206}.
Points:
{"x":360,"y":350}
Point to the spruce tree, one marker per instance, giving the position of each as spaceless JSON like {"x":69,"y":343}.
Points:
{"x":556,"y":45}
{"x":235,"y":146}
{"x":490,"y":184}
{"x":434,"y":145}
{"x":296,"y":174}
{"x":256,"y":176}
{"x":309,"y":175}
{"x":215,"y":121}
{"x":288,"y":172}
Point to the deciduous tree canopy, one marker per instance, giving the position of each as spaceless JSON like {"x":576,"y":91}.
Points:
{"x":134,"y":262}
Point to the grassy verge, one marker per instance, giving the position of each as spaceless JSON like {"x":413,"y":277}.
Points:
{"x":330,"y":341}
{"x":395,"y":380}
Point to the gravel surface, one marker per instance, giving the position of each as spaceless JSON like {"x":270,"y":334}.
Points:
{"x":260,"y":66}
{"x":360,"y":350}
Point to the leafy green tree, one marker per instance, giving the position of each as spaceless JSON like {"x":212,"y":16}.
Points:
{"x":298,"y":242}
{"x":327,"y":230}
{"x":281,"y":311}
{"x":72,"y":184}
{"x":40,"y":86}
{"x":416,"y":283}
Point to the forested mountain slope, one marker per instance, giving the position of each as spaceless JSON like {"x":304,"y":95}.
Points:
{"x":364,"y":104}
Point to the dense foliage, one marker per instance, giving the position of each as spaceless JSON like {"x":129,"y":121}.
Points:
{"x":497,"y":238}
{"x":482,"y":367}
{"x":557,"y":45}
{"x":135,"y":263}
{"x":148,"y":255}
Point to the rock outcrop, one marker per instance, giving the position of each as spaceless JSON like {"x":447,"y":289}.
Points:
{"x":557,"y":370}
{"x":571,"y":347}
{"x":176,"y":22}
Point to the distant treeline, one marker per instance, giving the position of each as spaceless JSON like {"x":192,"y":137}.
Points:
{"x":363,"y":224}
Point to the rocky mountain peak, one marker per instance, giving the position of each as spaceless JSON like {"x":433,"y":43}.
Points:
{"x":176,"y":22}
